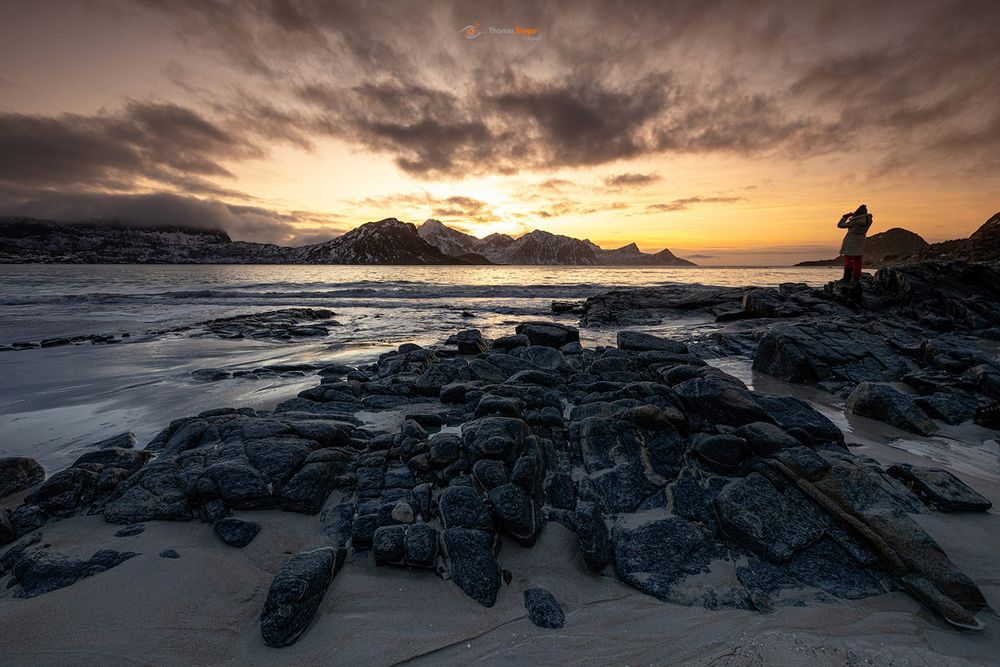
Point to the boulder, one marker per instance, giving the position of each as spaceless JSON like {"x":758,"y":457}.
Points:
{"x":508,"y":343}
{"x":388,"y":544}
{"x":471,"y":342}
{"x":235,"y":532}
{"x":463,"y":506}
{"x":489,"y":473}
{"x":295,"y":594}
{"x":18,"y":473}
{"x":548,"y":334}
{"x":121,"y":441}
{"x":726,"y":452}
{"x":883,"y":403}
{"x":715,"y":400}
{"x":765,"y":439}
{"x":642,"y":342}
{"x":515,"y":513}
{"x":543,"y":610}
{"x":420,"y":546}
{"x":471,"y":563}
{"x":940,"y":488}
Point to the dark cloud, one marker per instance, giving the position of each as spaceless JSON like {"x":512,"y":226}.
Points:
{"x":631,"y":180}
{"x":424,"y":205}
{"x":688,"y":202}
{"x":160,"y":142}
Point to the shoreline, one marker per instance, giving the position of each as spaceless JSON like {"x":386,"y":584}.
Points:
{"x":385,"y":614}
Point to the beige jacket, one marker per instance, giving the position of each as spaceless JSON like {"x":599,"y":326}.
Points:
{"x":857,"y":227}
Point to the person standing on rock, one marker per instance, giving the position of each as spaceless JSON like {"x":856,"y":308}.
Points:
{"x":853,"y":247}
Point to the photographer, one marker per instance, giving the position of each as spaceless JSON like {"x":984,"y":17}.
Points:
{"x":853,"y":247}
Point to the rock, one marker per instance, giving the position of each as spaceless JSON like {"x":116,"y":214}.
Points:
{"x":489,"y":473}
{"x":12,"y":555}
{"x":309,"y":488}
{"x":643,"y":342}
{"x":789,"y":412}
{"x":804,"y":461}
{"x":388,"y":545}
{"x":940,"y":488}
{"x":951,"y":407}
{"x":336,"y":526}
{"x":494,"y":437}
{"x":473,"y":568}
{"x":592,"y":535}
{"x":471,"y":342}
{"x":724,"y":451}
{"x":653,"y":552}
{"x":462,"y":506}
{"x":235,"y":532}
{"x":755,"y":514}
{"x":169,"y":553}
{"x":560,"y":491}
{"x":883,"y":403}
{"x":508,"y":343}
{"x":41,"y":571}
{"x":121,"y":441}
{"x":765,"y":439}
{"x":211,"y":374}
{"x":421,"y":545}
{"x":18,"y":473}
{"x":515,"y":513}
{"x":490,"y":404}
{"x":543,"y":610}
{"x":548,"y":334}
{"x":129,"y":531}
{"x":295,"y":594}
{"x":717,"y":401}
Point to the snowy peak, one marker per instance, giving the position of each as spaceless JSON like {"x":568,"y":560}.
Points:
{"x":387,"y":241}
{"x":539,"y":247}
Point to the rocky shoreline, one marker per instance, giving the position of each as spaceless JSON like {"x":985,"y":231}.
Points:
{"x":674,"y":476}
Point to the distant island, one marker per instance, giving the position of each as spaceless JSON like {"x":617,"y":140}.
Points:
{"x":388,"y":241}
{"x":898,"y":245}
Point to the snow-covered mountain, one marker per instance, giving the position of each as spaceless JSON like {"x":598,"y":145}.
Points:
{"x":387,"y":241}
{"x":539,"y":247}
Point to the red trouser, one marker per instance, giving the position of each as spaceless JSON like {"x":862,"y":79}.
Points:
{"x":853,"y":262}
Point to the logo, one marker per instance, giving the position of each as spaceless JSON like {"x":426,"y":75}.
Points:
{"x":471,"y":31}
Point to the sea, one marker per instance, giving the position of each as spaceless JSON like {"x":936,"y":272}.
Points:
{"x":55,"y":402}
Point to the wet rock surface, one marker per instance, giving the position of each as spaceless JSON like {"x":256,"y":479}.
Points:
{"x":668,"y":470}
{"x":18,"y":473}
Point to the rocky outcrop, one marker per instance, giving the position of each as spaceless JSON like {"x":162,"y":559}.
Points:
{"x":660,"y":463}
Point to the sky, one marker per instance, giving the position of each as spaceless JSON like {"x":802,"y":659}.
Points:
{"x":729,"y":132}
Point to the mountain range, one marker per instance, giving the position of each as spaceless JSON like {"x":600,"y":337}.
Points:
{"x":389,"y":241}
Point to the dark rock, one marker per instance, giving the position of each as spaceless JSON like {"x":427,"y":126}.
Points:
{"x":718,"y":401}
{"x":560,"y":491}
{"x":883,"y":403}
{"x":789,"y":412}
{"x":755,"y":514}
{"x":169,"y":553}
{"x":804,"y":461}
{"x":549,"y":334}
{"x":421,"y":545}
{"x":940,"y":488}
{"x":471,"y":342}
{"x":121,"y":441}
{"x":494,"y":437}
{"x":724,"y":451}
{"x":27,"y":518}
{"x":295,"y":594}
{"x":653,"y":552}
{"x":129,"y":531}
{"x":336,"y":524}
{"x":515,"y":512}
{"x":473,"y":568}
{"x":309,"y":488}
{"x":952,"y":407}
{"x":490,"y":404}
{"x":643,"y":342}
{"x":507,"y":343}
{"x":388,"y":544}
{"x":489,"y":473}
{"x":18,"y":473}
{"x":765,"y":439}
{"x":126,"y":459}
{"x":41,"y":572}
{"x":463,"y":507}
{"x":592,"y":535}
{"x":235,"y":532}
{"x":12,"y":555}
{"x":543,"y":610}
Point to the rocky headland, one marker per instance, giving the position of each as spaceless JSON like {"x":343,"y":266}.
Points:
{"x":674,"y":477}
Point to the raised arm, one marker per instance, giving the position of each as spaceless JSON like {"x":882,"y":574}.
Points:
{"x":844,"y":224}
